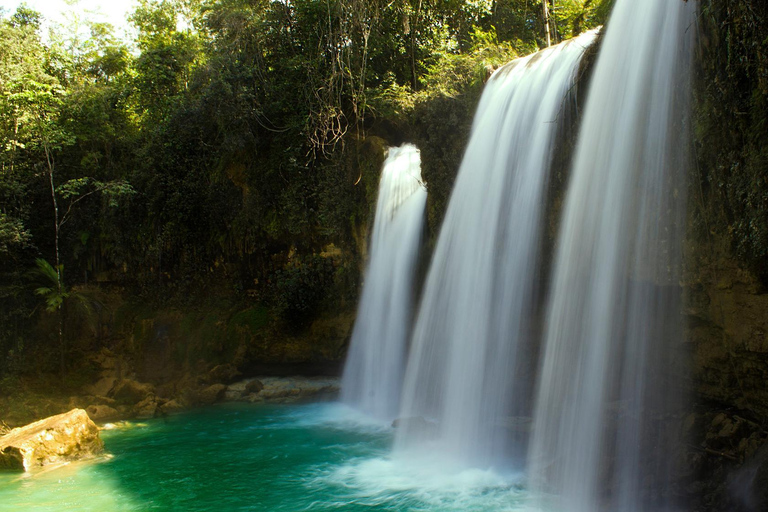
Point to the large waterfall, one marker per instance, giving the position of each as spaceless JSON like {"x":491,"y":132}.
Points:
{"x":374,"y":370}
{"x":606,"y":393}
{"x":468,"y":370}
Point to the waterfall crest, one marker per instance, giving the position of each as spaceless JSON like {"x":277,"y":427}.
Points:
{"x":373,"y":372}
{"x":467,"y":368}
{"x":605,"y":383}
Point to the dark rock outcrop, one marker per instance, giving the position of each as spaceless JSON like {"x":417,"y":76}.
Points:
{"x":129,"y":391}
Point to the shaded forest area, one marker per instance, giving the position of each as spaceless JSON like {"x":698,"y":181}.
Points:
{"x":222,"y":166}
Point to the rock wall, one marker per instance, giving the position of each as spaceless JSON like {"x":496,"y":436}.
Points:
{"x":727,"y":248}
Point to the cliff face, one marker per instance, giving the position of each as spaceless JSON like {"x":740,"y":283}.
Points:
{"x":727,"y":247}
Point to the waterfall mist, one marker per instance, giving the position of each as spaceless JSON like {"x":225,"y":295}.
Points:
{"x":606,"y":392}
{"x":469,"y":368}
{"x":373,"y":372}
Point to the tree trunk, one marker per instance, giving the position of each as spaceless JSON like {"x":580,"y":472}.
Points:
{"x":545,"y":13}
{"x":57,"y":228}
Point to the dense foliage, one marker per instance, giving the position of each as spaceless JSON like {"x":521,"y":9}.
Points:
{"x":231,"y":149}
{"x":732,"y":129}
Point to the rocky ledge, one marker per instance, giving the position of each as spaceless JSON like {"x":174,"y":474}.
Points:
{"x":282,"y":389}
{"x":64,"y":437}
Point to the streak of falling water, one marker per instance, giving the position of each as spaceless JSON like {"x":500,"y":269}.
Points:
{"x":605,"y":391}
{"x":373,"y":372}
{"x":466,"y":372}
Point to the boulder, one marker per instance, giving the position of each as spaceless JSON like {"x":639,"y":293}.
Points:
{"x":253,"y":386}
{"x":147,"y":408}
{"x":129,"y":391}
{"x":211,"y":394}
{"x":68,"y":436}
{"x":101,"y":413}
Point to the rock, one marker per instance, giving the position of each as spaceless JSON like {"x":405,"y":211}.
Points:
{"x":147,"y":408}
{"x":63,"y":437}
{"x":211,"y":394}
{"x":253,"y":386}
{"x":171,"y":407}
{"x":102,"y":413}
{"x":223,"y":374}
{"x":103,"y":400}
{"x":241,"y":390}
{"x":129,"y":391}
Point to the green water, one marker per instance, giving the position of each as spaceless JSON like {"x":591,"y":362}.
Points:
{"x":318,"y":457}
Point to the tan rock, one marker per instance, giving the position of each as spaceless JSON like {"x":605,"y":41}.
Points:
{"x":63,"y":437}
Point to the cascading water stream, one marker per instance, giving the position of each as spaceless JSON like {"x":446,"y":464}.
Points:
{"x":468,"y":370}
{"x":605,"y":389}
{"x":374,"y":370}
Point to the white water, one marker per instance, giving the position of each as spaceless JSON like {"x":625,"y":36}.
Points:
{"x":373,"y":373}
{"x":468,"y":369}
{"x":600,"y":440}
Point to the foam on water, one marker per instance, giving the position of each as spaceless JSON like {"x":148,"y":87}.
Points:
{"x":425,"y":486}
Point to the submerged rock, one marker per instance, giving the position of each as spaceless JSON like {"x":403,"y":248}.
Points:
{"x":64,"y":437}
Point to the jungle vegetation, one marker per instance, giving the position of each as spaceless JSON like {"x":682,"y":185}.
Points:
{"x":223,"y":150}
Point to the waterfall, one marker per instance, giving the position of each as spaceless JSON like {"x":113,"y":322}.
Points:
{"x":373,"y":372}
{"x":605,"y":392}
{"x":468,"y":369}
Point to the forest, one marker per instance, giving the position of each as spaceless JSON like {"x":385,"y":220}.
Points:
{"x":217,"y":155}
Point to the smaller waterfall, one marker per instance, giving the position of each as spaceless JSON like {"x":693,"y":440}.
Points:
{"x":469,"y":368}
{"x":373,"y":373}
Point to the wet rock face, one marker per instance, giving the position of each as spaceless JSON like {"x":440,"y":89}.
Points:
{"x":64,"y":437}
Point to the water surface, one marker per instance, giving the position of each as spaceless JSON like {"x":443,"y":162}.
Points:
{"x":238,"y":457}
